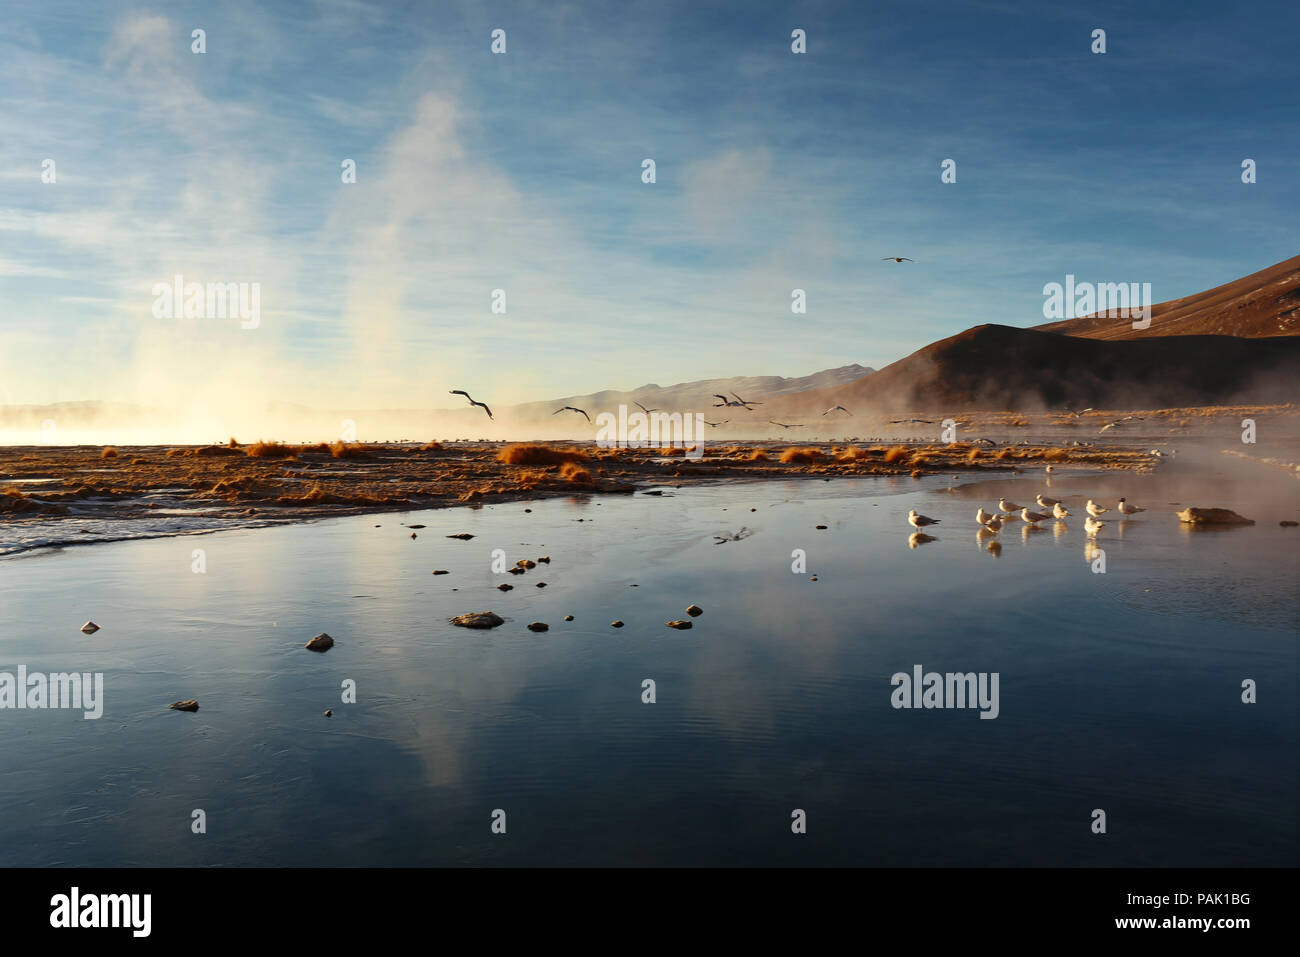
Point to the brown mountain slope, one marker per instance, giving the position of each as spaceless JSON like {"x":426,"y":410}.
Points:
{"x":1266,"y":303}
{"x":1000,"y":367}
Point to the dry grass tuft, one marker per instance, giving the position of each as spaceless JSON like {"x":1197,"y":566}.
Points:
{"x":108,"y":453}
{"x":758,"y":455}
{"x":270,"y":450}
{"x":972,"y":455}
{"x":576,"y":474}
{"x":342,"y":450}
{"x":895,"y":452}
{"x":530,"y":453}
{"x":431,"y":447}
{"x":797,"y":456}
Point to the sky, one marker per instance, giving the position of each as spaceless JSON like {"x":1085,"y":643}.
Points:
{"x":522,"y":171}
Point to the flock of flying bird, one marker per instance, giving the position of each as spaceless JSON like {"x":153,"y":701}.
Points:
{"x":991,"y":522}
{"x":736,"y":402}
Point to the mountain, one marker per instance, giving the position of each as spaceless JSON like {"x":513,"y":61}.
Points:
{"x":1000,"y":367}
{"x":1266,"y":303}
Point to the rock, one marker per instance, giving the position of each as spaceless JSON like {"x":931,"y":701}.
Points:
{"x":413,"y":534}
{"x":321,"y":642}
{"x":504,"y":587}
{"x":1212,"y":516}
{"x":814,"y":578}
{"x":694,"y":611}
{"x":329,"y":714}
{"x":568,"y":618}
{"x":538,"y":626}
{"x":526,"y":563}
{"x":441,"y":571}
{"x":681,"y":624}
{"x":516,"y":570}
{"x":90,"y":628}
{"x":541,"y":584}
{"x":528,"y":510}
{"x":545,"y":558}
{"x":463,"y":536}
{"x":190,"y":705}
{"x":616,"y":623}
{"x":478,"y":619}
{"x":1289,"y":524}
{"x":415,"y":526}
{"x":821,"y":527}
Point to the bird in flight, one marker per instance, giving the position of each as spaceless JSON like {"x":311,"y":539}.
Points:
{"x":483,"y":405}
{"x":1079,"y":413}
{"x":569,"y":408}
{"x":897,"y":259}
{"x":643,"y":408}
{"x":716,"y":424}
{"x":784,"y":425}
{"x":745,"y":402}
{"x":835,"y":408}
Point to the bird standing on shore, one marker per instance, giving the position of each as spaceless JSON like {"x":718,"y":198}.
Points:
{"x":1094,"y":509}
{"x":1060,"y":511}
{"x":982,"y":516}
{"x":1047,"y":502}
{"x":1032,"y":518}
{"x":920,"y":521}
{"x":1126,"y":509}
{"x":1008,"y":507}
{"x":1092,"y":527}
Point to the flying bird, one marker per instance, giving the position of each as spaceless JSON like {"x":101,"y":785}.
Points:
{"x":1126,"y":509}
{"x":920,"y":521}
{"x":783,"y":425}
{"x":1079,"y":413}
{"x":835,"y":408}
{"x":643,"y":408}
{"x":471,"y":401}
{"x":569,"y":408}
{"x":897,"y":259}
{"x":744,"y":402}
{"x":725,"y":401}
{"x":716,"y":424}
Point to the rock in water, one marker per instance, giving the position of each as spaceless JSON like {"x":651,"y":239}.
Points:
{"x":478,"y":619}
{"x":1212,"y":516}
{"x":321,"y":642}
{"x":616,"y":623}
{"x":694,"y":611}
{"x":441,"y":571}
{"x":681,"y":624}
{"x":90,"y":628}
{"x":539,"y":626}
{"x":329,"y":714}
{"x":568,"y":618}
{"x":190,"y":705}
{"x":504,"y":587}
{"x":463,"y":536}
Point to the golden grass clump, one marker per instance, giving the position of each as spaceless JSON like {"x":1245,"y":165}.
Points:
{"x":431,"y":447}
{"x":270,"y":450}
{"x":318,"y":447}
{"x":572,"y":472}
{"x":758,"y":455}
{"x":108,"y":453}
{"x":895,"y":452}
{"x":531,"y":453}
{"x":797,"y":456}
{"x":852,"y":454}
{"x":972,"y":455}
{"x":1055,"y":455}
{"x":234,"y":443}
{"x":1019,"y":422}
{"x":668,"y":451}
{"x":343,"y":450}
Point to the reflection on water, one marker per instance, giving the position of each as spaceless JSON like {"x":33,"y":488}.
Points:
{"x":1118,"y":690}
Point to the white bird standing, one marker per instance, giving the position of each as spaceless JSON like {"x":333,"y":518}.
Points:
{"x":1060,"y":511}
{"x":1092,"y":527}
{"x":1008,"y":506}
{"x":994,"y":524}
{"x":920,"y":521}
{"x":1094,"y":509}
{"x":1047,"y":502}
{"x":982,"y":516}
{"x":1033,"y":518}
{"x":1126,"y":509}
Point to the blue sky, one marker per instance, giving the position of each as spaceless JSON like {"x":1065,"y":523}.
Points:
{"x":522,"y":171}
